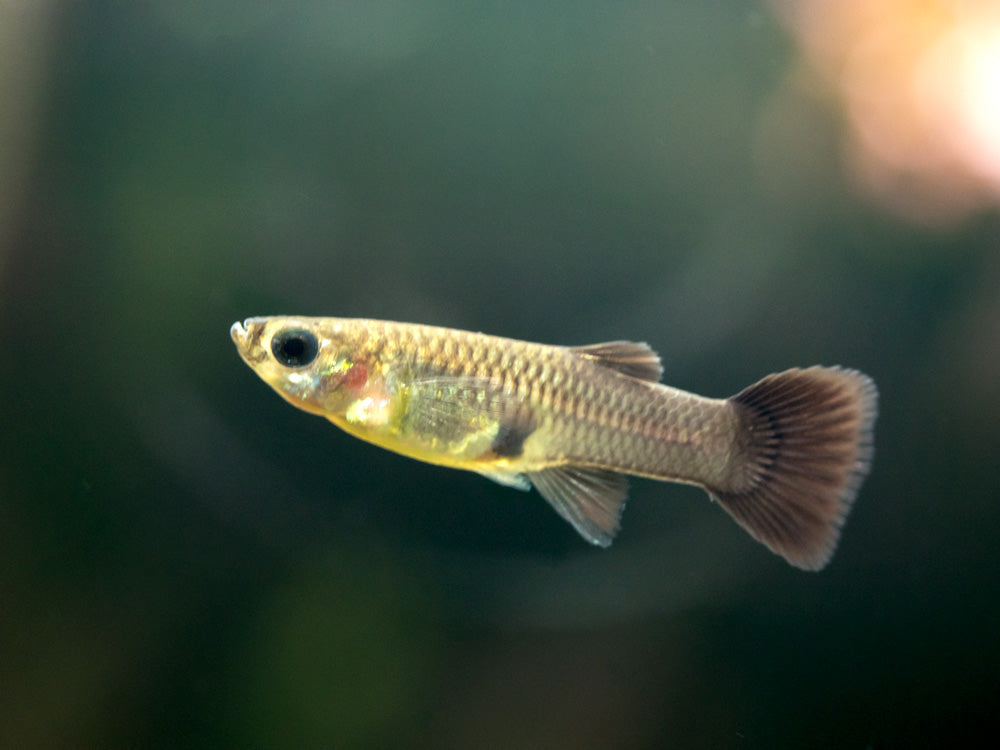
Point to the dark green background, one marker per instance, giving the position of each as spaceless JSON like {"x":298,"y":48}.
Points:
{"x":185,"y":560}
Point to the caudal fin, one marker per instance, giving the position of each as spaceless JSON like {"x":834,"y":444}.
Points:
{"x":807,"y":445}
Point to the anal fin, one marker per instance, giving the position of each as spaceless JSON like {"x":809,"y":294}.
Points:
{"x":590,"y":499}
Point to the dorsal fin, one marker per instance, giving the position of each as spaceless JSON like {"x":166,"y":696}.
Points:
{"x":637,"y":360}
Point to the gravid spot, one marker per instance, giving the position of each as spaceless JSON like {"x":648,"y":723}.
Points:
{"x":509,"y":440}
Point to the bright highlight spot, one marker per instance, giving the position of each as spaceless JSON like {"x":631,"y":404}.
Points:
{"x":918,"y":82}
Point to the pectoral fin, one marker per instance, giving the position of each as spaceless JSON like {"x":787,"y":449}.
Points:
{"x":590,"y":499}
{"x":451,"y":407}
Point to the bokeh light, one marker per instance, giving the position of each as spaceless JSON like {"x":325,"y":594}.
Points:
{"x":918,"y":83}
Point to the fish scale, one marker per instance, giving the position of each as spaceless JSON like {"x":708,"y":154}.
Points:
{"x":594,"y":400}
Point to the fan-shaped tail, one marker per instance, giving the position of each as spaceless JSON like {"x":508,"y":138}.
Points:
{"x":806,"y":447}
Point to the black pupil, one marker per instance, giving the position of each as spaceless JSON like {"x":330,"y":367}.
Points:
{"x":294,"y":347}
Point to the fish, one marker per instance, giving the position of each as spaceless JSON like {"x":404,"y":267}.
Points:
{"x":784,"y":457}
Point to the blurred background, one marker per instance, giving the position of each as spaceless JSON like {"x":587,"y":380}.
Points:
{"x":187,"y":561}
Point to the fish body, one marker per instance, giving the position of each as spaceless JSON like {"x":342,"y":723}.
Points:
{"x":784,"y":457}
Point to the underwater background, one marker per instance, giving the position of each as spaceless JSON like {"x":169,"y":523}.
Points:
{"x":187,"y":561}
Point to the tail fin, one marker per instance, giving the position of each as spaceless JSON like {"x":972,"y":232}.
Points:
{"x":807,"y":447}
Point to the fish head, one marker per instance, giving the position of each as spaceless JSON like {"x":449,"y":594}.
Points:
{"x":313,"y":363}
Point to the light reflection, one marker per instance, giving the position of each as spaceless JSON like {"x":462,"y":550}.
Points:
{"x":918,"y":82}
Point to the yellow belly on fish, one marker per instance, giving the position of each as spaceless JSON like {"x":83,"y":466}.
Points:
{"x":785,"y":457}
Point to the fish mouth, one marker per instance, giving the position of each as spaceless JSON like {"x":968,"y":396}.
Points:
{"x":238,"y":333}
{"x":246,"y":336}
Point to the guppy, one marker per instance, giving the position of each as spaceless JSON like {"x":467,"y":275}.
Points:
{"x":784,"y":457}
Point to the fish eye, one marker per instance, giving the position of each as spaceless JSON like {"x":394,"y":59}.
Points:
{"x":294,"y":347}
